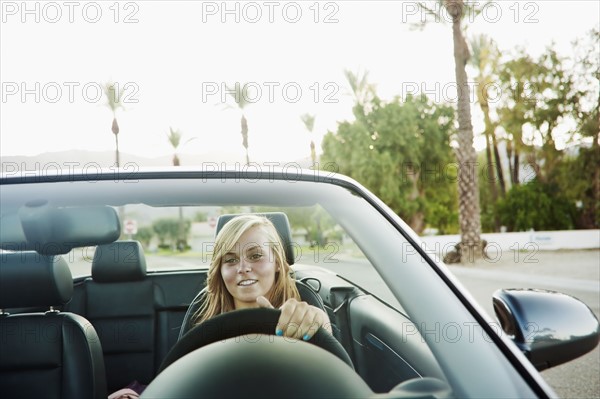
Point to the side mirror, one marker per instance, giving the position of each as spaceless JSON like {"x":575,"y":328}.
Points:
{"x":550,"y":328}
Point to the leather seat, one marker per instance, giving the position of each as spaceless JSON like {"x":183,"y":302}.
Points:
{"x":120,"y":303}
{"x":282,"y":225}
{"x":47,"y":354}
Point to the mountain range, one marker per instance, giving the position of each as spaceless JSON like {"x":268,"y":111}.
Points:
{"x":92,"y":160}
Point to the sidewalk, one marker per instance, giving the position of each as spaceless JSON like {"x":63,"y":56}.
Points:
{"x":575,"y":264}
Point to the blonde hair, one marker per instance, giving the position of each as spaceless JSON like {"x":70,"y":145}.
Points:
{"x":217,"y":299}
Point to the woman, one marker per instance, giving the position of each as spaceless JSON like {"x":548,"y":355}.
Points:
{"x":249,"y":270}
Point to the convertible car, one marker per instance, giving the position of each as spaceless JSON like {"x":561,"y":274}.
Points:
{"x":100,"y":272}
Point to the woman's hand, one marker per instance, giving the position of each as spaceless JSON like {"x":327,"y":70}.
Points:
{"x":298,"y":319}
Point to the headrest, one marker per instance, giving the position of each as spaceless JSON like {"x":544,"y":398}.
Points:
{"x":28,"y":279}
{"x":49,"y":230}
{"x":281,"y":223}
{"x":119,"y":261}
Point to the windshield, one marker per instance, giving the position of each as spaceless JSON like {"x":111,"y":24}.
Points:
{"x":353,"y":237}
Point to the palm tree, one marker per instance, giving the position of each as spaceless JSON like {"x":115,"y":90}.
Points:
{"x":364,"y":95}
{"x":114,"y":102}
{"x":471,"y":245}
{"x":239,"y":97}
{"x":485,"y":58}
{"x":309,"y":123}
{"x":362,"y":91}
{"x":174,"y":137}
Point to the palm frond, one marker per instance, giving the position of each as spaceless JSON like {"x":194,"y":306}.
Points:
{"x":174,"y":137}
{"x":359,"y":84}
{"x":239,"y":95}
{"x":190,"y":139}
{"x":113,"y":96}
{"x":484,"y":53}
{"x":309,"y":121}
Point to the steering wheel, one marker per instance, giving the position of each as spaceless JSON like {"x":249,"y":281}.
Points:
{"x":237,"y":354}
{"x":242,"y":322}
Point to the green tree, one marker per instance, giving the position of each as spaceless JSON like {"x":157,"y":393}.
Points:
{"x":168,"y":233}
{"x":538,"y":95}
{"x":579,"y":174}
{"x":200,"y":217}
{"x":404,"y":159}
{"x":315,"y":221}
{"x":536,"y":205}
{"x":362,"y":91}
{"x":574,"y":178}
{"x":233,"y":209}
{"x":144,"y":235}
{"x":513,"y":109}
{"x":485,"y":59}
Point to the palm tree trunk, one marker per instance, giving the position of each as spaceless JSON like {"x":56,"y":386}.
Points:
{"x":117,"y":150}
{"x":515,"y":168}
{"x":244,"y":124}
{"x":180,"y":242}
{"x":489,"y":144}
{"x":489,"y":132}
{"x":594,"y":219}
{"x":491,"y":176}
{"x":115,"y":130}
{"x":121,"y":209}
{"x":499,"y":170}
{"x":509,"y":154}
{"x":469,"y":211}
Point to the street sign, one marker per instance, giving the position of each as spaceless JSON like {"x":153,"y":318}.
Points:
{"x":130,"y":226}
{"x":212,"y":221}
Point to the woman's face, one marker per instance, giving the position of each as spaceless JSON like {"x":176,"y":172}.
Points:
{"x":249,"y":268}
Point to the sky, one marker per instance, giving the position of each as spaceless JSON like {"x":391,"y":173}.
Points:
{"x":174,"y":60}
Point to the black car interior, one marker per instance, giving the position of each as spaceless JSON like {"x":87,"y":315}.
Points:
{"x":45,"y":354}
{"x":120,"y":302}
{"x":139,"y":316}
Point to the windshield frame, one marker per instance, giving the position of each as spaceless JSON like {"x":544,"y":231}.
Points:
{"x":381,"y":235}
